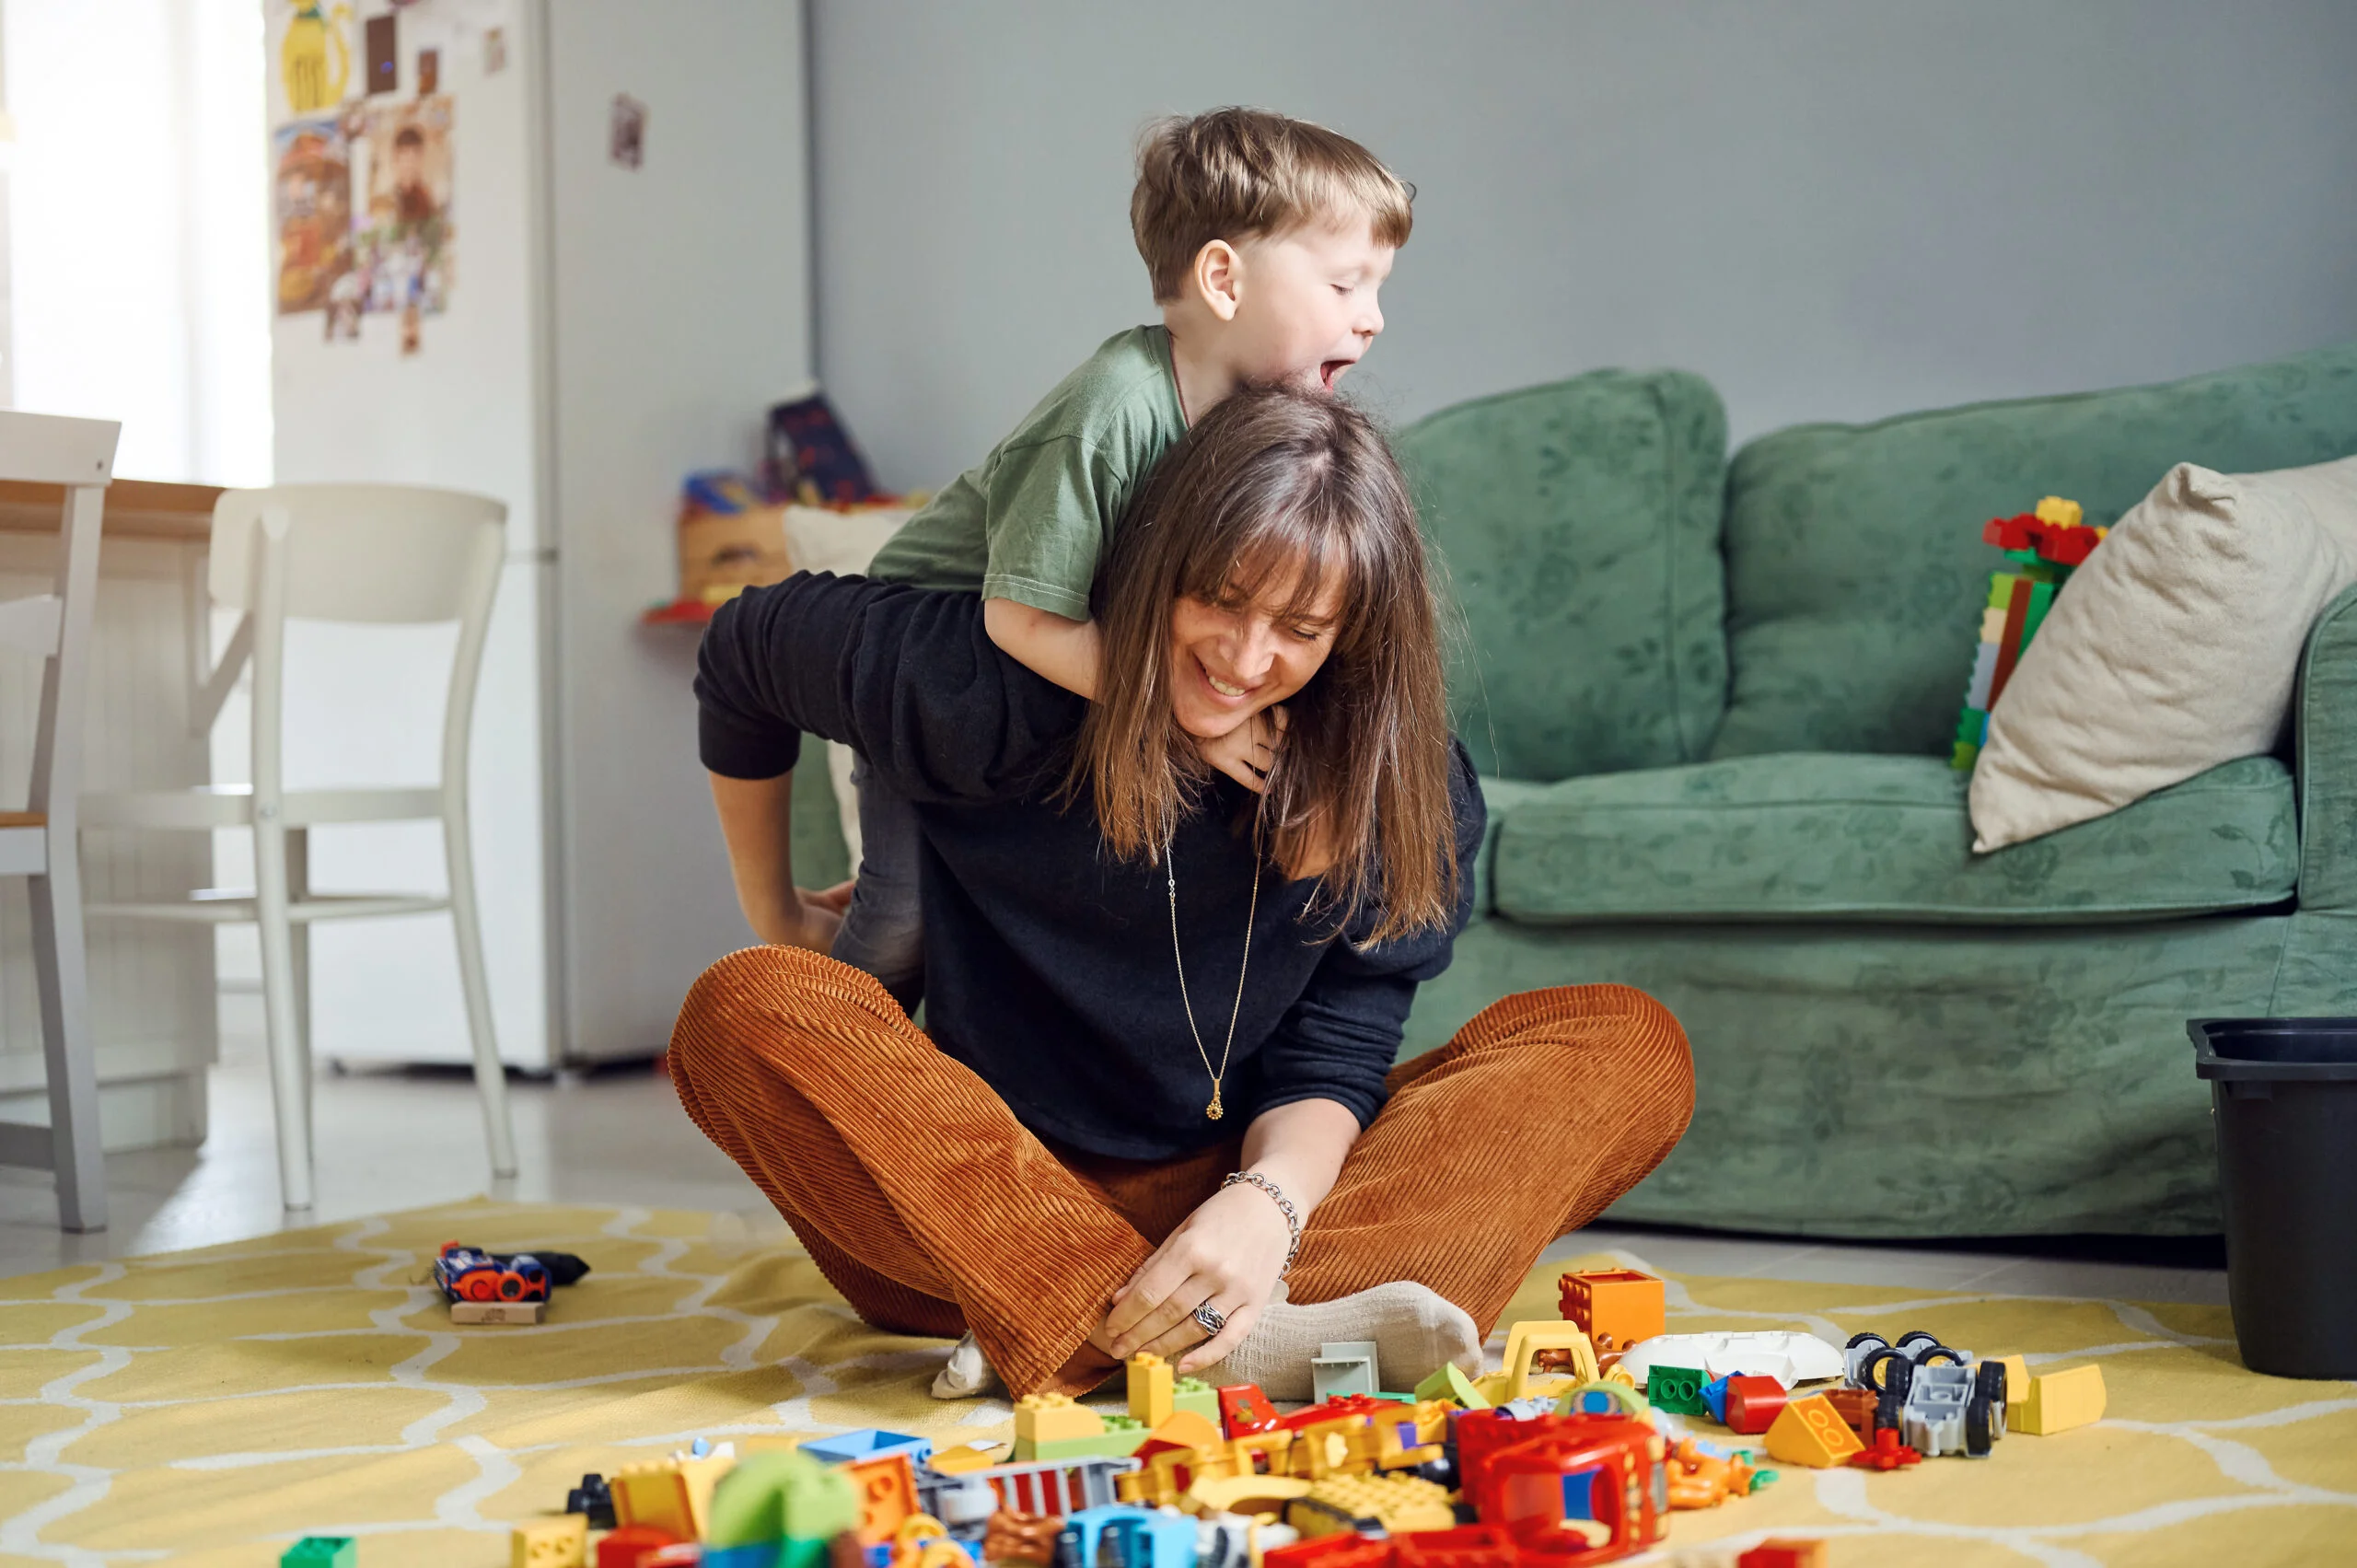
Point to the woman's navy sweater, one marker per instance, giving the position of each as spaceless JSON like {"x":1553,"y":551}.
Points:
{"x":1048,"y":962}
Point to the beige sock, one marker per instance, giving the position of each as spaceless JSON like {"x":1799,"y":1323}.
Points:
{"x":966,"y":1376}
{"x":1414,"y":1331}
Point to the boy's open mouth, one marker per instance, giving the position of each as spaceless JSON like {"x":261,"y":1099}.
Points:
{"x":1331,"y":371}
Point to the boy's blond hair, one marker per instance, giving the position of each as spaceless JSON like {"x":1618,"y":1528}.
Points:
{"x":1239,"y":173}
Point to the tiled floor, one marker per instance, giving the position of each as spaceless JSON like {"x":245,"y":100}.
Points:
{"x":391,"y":1141}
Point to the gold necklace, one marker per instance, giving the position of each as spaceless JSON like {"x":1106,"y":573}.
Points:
{"x":1171,"y":871}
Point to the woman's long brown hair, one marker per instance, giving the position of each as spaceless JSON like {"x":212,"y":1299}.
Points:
{"x":1272,"y":487}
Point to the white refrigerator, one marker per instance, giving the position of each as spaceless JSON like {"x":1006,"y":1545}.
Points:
{"x":555,"y":253}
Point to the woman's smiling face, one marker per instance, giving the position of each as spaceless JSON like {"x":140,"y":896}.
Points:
{"x":1231,"y":660}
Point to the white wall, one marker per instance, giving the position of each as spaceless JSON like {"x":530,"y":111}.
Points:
{"x":138,"y":230}
{"x":1833,"y":208}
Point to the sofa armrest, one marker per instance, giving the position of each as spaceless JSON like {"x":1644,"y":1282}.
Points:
{"x":2326,"y":710}
{"x":1500,"y":797}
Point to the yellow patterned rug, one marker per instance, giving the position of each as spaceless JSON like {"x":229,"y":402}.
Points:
{"x":209,"y":1406}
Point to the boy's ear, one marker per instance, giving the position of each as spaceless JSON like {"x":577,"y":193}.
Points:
{"x":1218,"y":278}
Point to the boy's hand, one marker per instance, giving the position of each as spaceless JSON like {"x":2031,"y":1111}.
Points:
{"x":1247,"y":752}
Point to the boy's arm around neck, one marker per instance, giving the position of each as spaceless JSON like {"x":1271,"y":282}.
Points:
{"x":1052,"y":646}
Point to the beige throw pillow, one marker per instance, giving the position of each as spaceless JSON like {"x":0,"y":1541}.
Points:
{"x":2171,"y":651}
{"x":817,"y":539}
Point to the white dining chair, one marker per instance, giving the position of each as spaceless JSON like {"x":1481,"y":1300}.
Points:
{"x":39,"y":842}
{"x":354,"y":553}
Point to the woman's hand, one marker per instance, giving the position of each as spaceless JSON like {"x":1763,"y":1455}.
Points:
{"x":811,"y":920}
{"x":1249,"y":752}
{"x":1229,"y":1253}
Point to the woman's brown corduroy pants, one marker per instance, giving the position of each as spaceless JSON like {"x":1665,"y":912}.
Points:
{"x":935,"y":1211}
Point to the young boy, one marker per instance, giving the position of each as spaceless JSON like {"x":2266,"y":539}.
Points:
{"x":1267,"y":240}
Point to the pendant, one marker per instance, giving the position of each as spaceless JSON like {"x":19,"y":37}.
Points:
{"x":1212,"y":1111}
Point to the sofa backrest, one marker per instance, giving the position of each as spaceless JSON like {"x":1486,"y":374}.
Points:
{"x":1856,"y":570}
{"x":1577,"y":524}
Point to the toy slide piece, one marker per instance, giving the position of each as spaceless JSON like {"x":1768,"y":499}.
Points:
{"x":1811,"y":1432}
{"x":2058,"y":1401}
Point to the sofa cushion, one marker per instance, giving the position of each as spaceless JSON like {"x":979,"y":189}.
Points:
{"x":1855,"y":571}
{"x":1828,"y":836}
{"x":1579,"y":526}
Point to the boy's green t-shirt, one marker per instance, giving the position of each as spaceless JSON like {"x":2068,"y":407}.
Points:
{"x":1029,"y":522}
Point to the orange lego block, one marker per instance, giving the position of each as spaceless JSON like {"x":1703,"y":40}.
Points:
{"x":1051,"y":1418}
{"x":1811,"y":1432}
{"x":888,"y":1496}
{"x":2058,"y":1401}
{"x":1616,"y":1307}
{"x":1182,"y":1429}
{"x":1151,"y":1389}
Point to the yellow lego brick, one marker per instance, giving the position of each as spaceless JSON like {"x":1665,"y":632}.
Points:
{"x":550,"y":1543}
{"x":1151,"y":1390}
{"x":2060,"y":512}
{"x":2016,"y":1382}
{"x":1054,"y":1417}
{"x":2059,"y":1401}
{"x":1516,"y":1379}
{"x":673,"y":1495}
{"x":1399,"y":1502}
{"x":1811,"y":1432}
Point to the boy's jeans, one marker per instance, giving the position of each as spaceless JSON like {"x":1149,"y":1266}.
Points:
{"x":882,"y":932}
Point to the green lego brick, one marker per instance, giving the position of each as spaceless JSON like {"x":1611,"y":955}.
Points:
{"x":1194,"y":1394}
{"x":2000,"y":589}
{"x":2041,"y":600}
{"x":322,"y":1552}
{"x":1449,"y":1382}
{"x":1121,"y":1437}
{"x":1677,"y":1389}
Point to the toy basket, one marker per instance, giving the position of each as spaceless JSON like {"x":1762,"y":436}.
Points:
{"x":2284,"y":1091}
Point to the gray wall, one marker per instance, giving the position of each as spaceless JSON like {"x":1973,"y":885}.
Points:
{"x":1834,"y":209}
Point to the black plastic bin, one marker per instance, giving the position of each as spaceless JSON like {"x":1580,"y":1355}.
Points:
{"x":2285,"y":1095}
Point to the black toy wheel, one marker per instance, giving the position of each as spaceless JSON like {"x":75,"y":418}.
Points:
{"x":1867,"y":1338}
{"x":1989,"y":1382}
{"x":1887,"y":1372}
{"x":1915,"y":1337}
{"x":1980,"y":1418}
{"x":1938,"y":1353}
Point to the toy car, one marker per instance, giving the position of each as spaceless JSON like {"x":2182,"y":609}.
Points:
{"x":1945,"y":1406}
{"x":469,"y":1274}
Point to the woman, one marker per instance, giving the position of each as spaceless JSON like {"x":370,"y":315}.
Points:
{"x":1109,"y":1145}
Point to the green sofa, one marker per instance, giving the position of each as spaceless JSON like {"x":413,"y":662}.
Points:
{"x":1713,"y":703}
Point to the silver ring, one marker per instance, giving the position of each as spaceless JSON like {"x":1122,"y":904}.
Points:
{"x":1211,"y":1317}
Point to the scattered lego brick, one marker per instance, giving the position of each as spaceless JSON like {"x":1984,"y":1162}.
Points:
{"x":1677,"y":1389}
{"x":512,"y":1313}
{"x":1779,"y":1552}
{"x":1753,"y":1403}
{"x":322,"y":1552}
{"x":2056,"y":1401}
{"x":1345,"y":1367}
{"x":1615,"y":1307}
{"x":1151,"y":1389}
{"x":1811,"y":1432}
{"x":550,"y":1543}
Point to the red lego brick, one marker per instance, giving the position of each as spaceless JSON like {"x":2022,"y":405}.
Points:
{"x":1857,"y":1409}
{"x":1244,"y":1409}
{"x":1777,"y":1553}
{"x":1334,"y":1551}
{"x":1467,"y":1546}
{"x":631,"y":1546}
{"x":1753,"y":1403}
{"x":1885,"y":1452}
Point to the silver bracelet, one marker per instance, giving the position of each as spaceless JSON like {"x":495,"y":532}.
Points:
{"x":1277,"y":1195}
